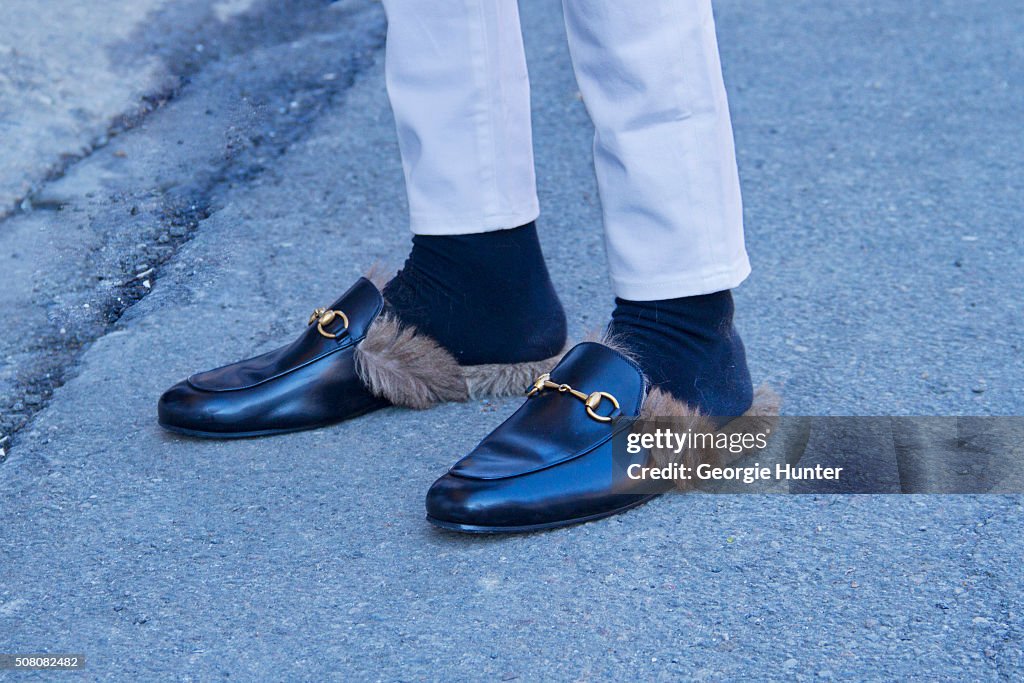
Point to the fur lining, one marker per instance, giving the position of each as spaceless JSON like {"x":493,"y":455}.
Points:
{"x":408,"y":368}
{"x":512,"y":379}
{"x":660,"y":405}
{"x":604,"y":337}
{"x":379,"y":275}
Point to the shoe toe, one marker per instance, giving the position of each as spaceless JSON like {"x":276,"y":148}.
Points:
{"x":456,"y":500}
{"x":487,"y":505}
{"x":447,"y":500}
{"x":184,"y":407}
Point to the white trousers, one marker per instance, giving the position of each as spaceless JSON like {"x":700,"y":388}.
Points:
{"x":650,"y":76}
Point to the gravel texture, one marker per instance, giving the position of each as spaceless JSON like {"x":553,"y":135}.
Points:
{"x":879,"y":146}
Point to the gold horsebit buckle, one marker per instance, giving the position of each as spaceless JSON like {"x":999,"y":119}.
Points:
{"x":591,"y":401}
{"x":325,"y":316}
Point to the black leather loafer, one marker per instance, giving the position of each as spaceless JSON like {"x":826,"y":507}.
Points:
{"x":550,"y":463}
{"x":352,"y":358}
{"x":554,"y":462}
{"x":309,"y":383}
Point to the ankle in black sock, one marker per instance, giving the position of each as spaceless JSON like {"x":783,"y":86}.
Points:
{"x":690,"y":348}
{"x":485,"y":297}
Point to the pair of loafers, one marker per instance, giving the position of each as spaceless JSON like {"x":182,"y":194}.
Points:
{"x":553,"y":462}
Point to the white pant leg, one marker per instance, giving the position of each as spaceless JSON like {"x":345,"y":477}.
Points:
{"x":650,"y":75}
{"x":457,"y":81}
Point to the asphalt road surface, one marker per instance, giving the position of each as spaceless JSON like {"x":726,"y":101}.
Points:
{"x":880,"y":150}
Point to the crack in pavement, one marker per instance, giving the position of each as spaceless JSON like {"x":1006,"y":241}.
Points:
{"x":169,"y":45}
{"x":98,"y":236}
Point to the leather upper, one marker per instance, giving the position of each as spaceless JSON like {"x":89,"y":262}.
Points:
{"x":550,"y":463}
{"x":553,"y":427}
{"x":308,"y":383}
{"x":362,"y":304}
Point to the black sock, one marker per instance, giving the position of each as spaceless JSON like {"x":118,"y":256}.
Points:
{"x":485,"y":297}
{"x":689,"y":347}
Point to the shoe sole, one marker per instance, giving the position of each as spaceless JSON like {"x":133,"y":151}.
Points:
{"x":263,"y":432}
{"x":478,"y":529}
